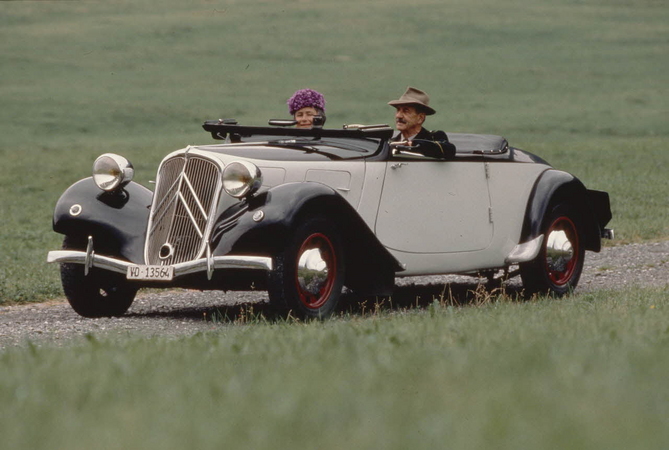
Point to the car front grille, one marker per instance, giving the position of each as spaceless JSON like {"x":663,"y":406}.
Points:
{"x":187,"y":191}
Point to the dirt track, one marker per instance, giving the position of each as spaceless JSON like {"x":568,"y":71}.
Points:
{"x":178,"y":313}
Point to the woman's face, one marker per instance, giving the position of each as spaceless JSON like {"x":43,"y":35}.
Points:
{"x":305,"y":116}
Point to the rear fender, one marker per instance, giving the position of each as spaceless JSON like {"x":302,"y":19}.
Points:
{"x":116,"y":220}
{"x":554,"y":187}
{"x":264,"y":224}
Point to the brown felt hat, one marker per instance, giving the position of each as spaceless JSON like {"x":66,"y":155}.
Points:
{"x":414,"y":96}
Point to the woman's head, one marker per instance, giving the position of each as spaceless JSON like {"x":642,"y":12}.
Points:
{"x":304,"y":105}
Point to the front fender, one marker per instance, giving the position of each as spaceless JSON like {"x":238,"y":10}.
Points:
{"x":116,"y":220}
{"x":264,"y":224}
{"x":554,"y":187}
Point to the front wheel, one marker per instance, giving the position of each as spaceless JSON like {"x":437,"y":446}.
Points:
{"x":308,"y":275}
{"x":557,"y":268}
{"x":98,"y":294}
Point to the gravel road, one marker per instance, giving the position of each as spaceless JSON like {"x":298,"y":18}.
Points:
{"x":179,"y":313}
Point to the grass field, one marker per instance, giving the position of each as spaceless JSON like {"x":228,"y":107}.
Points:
{"x":582,"y":83}
{"x":584,"y":373}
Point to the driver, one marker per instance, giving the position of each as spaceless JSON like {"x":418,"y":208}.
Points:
{"x":304,"y":105}
{"x":411,"y":110}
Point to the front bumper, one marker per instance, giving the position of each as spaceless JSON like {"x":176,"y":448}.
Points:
{"x":90,"y":259}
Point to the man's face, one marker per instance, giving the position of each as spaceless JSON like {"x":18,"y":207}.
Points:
{"x":408,"y":120}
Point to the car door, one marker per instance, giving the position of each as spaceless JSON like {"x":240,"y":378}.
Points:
{"x":430,"y":206}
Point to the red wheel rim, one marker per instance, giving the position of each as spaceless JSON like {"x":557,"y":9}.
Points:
{"x":562,"y":251}
{"x":316,"y":270}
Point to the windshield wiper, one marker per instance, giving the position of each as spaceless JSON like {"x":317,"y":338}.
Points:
{"x":294,"y":144}
{"x":349,"y":146}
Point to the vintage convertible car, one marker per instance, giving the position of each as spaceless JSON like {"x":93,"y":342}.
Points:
{"x":304,"y":213}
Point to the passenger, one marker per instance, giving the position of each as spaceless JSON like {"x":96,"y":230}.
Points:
{"x":306,"y":104}
{"x":412,"y":108}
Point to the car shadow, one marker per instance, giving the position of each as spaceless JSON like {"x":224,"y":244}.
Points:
{"x":421,"y":296}
{"x":410,"y":296}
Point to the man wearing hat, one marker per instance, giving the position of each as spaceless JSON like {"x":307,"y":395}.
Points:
{"x":411,"y":110}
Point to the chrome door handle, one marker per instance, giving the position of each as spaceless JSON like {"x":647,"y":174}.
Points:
{"x":397,"y":165}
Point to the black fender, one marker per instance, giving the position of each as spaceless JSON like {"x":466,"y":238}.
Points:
{"x":263,"y":224}
{"x":116,"y":220}
{"x":554,"y":187}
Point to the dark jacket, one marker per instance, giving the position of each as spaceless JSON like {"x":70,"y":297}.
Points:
{"x":432,"y":143}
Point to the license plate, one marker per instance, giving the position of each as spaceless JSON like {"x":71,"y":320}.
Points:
{"x":159,"y":273}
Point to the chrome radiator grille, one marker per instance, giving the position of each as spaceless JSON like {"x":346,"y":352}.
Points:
{"x":187,"y":192}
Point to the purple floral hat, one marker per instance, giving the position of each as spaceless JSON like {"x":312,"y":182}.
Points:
{"x":306,"y":97}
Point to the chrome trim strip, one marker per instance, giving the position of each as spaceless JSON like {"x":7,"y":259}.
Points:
{"x":526,"y":251}
{"x":195,"y":197}
{"x":90,"y":254}
{"x":210,"y":264}
{"x":164,"y":206}
{"x":167,"y":198}
{"x":181,"y":269}
{"x":192,"y":218}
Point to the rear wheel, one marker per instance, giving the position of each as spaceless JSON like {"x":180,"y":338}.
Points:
{"x":98,"y":294}
{"x":308,"y":274}
{"x":557,"y":268}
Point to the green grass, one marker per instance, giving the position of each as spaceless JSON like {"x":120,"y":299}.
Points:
{"x":582,"y":83}
{"x":587,"y":372}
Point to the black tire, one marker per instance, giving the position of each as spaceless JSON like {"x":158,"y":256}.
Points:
{"x":557,"y":268}
{"x":307,"y":283}
{"x":98,"y":294}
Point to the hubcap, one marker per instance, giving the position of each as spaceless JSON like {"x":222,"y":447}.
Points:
{"x":561,"y":250}
{"x":316,"y":270}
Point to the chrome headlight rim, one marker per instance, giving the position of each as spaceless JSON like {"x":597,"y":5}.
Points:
{"x":241,"y":179}
{"x":112,"y":172}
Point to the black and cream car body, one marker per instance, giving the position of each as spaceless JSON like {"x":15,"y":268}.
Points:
{"x":304,"y":213}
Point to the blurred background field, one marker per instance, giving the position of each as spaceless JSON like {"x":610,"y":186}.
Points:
{"x":581,"y":83}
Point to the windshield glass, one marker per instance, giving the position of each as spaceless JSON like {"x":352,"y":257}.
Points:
{"x":333,"y":148}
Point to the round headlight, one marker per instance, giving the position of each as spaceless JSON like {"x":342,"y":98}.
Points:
{"x":241,"y":178}
{"x":112,"y":172}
